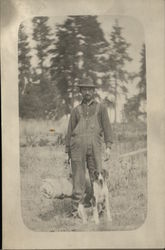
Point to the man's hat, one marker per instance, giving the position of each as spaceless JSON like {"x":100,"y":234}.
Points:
{"x":86,"y":82}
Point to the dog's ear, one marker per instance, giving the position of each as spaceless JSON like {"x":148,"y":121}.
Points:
{"x":96,"y":175}
{"x":105,"y":174}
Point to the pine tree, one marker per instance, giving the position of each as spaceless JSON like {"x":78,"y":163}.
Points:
{"x":43,"y":39}
{"x":78,"y":53}
{"x":132,"y":107}
{"x":24,"y":57}
{"x":24,"y":68}
{"x":142,"y":74}
{"x":93,"y":46}
{"x":64,"y":64}
{"x":117,"y":59}
{"x":142,"y":96}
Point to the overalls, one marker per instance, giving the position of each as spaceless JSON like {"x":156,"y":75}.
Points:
{"x":85,"y":146}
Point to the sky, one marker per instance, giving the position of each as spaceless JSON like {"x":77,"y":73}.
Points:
{"x":132,"y":31}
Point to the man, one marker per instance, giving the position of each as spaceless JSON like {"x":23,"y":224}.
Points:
{"x":88,"y":123}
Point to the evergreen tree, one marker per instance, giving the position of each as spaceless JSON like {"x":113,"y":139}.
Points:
{"x":142,"y":74}
{"x":43,"y":39}
{"x":79,"y":52}
{"x":24,"y":64}
{"x":117,"y":58}
{"x":132,"y":107}
{"x":93,"y":46}
{"x":64,"y":64}
{"x":24,"y":69}
{"x":142,"y":84}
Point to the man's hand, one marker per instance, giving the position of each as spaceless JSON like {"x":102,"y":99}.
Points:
{"x":107,"y":154}
{"x":69,"y":157}
{"x":67,"y":160}
{"x":68,"y":153}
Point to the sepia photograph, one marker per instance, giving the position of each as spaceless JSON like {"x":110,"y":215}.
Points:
{"x":83,"y":123}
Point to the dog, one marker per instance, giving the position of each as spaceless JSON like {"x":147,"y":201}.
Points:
{"x":100,"y":198}
{"x":61,"y":187}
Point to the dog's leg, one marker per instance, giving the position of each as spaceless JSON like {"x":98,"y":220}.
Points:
{"x":95,"y":211}
{"x":107,"y":206}
{"x":82,"y":214}
{"x":95,"y":214}
{"x":100,"y":208}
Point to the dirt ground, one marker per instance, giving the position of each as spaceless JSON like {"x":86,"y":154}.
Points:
{"x":127,"y":192}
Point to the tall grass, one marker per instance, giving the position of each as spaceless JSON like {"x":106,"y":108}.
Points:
{"x":38,"y":127}
{"x":127,"y":177}
{"x":41,"y":132}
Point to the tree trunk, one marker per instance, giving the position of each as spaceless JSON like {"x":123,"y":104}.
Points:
{"x":115,"y":99}
{"x":72,"y":101}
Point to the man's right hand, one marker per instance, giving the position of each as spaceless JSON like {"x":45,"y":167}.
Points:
{"x":67,"y":151}
{"x":69,"y":157}
{"x":107,"y":154}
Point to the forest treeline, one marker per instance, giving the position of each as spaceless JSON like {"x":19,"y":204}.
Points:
{"x":67,"y":52}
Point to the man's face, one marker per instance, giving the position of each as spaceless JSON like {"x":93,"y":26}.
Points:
{"x":87,"y":93}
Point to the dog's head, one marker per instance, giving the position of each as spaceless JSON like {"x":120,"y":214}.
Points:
{"x":101,"y":177}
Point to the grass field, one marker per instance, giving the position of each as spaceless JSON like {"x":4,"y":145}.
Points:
{"x":127,"y":181}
